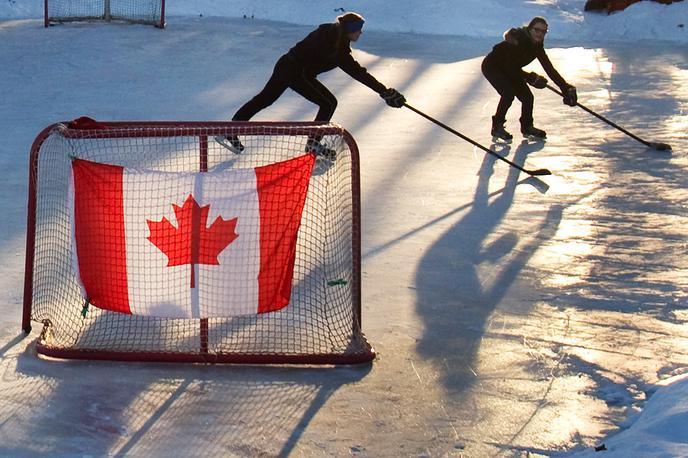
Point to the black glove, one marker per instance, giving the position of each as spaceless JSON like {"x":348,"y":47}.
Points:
{"x":393,"y":98}
{"x":536,"y":80}
{"x":570,"y":96}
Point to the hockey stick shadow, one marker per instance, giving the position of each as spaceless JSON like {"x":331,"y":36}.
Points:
{"x":540,"y":185}
{"x":537,"y":183}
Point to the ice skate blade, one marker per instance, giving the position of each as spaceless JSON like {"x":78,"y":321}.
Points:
{"x":321,"y":166}
{"x":496,"y":139}
{"x":323,"y":154}
{"x":226,"y":143}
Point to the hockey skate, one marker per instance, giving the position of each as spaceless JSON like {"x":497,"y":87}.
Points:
{"x":499,"y":132}
{"x":231,"y":142}
{"x":320,"y":150}
{"x":533,"y":133}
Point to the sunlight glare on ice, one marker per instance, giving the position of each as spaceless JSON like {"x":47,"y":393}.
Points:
{"x":582,"y":63}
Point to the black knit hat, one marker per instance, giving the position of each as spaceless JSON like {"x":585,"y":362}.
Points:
{"x":351,"y":22}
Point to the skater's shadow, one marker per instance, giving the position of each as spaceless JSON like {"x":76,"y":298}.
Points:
{"x":464,"y":276}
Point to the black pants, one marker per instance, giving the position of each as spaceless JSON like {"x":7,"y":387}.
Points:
{"x":289,"y":74}
{"x":508,"y":88}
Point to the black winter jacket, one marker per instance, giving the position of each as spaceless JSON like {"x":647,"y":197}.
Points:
{"x":326,"y":48}
{"x":518,"y":50}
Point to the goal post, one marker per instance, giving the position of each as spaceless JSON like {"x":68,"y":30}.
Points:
{"x":134,"y":11}
{"x":321,"y":321}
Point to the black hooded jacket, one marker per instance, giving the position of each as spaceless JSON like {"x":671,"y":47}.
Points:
{"x":518,"y":50}
{"x":328,"y":47}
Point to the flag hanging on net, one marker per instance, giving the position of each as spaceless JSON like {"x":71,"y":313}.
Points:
{"x":187,"y":245}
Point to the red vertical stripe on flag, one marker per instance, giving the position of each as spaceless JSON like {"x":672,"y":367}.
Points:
{"x":99,"y":233}
{"x":282,"y":190}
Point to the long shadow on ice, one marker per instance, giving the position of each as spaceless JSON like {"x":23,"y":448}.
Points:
{"x":78,"y":407}
{"x":457,"y":285}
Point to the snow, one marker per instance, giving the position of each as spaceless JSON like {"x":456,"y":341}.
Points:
{"x":512,"y":316}
{"x":644,"y":20}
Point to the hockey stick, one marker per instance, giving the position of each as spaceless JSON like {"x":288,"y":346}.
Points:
{"x":656,"y":145}
{"x":473,"y":142}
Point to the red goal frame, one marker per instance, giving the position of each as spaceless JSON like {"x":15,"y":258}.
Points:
{"x":204,"y":131}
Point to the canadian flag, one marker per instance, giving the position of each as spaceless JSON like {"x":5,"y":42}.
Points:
{"x":187,"y":245}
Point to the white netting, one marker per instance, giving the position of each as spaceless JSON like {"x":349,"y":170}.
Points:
{"x":322,"y":321}
{"x":138,"y":11}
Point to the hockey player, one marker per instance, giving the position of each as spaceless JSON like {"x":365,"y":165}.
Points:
{"x":503,"y":69}
{"x":325,"y":48}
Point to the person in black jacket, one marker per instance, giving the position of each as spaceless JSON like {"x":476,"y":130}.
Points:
{"x":503,"y":68}
{"x":325,"y":48}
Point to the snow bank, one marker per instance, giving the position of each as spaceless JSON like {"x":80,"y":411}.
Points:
{"x":641,"y":21}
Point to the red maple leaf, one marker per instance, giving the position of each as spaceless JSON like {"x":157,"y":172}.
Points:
{"x":192,"y":242}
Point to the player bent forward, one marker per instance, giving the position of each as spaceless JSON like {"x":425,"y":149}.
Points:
{"x":325,"y":48}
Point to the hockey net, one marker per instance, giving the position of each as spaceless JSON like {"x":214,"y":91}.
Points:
{"x":135,"y":11}
{"x":320,"y":325}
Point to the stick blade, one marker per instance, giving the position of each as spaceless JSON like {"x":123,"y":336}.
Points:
{"x":539,"y":172}
{"x":659,"y":146}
